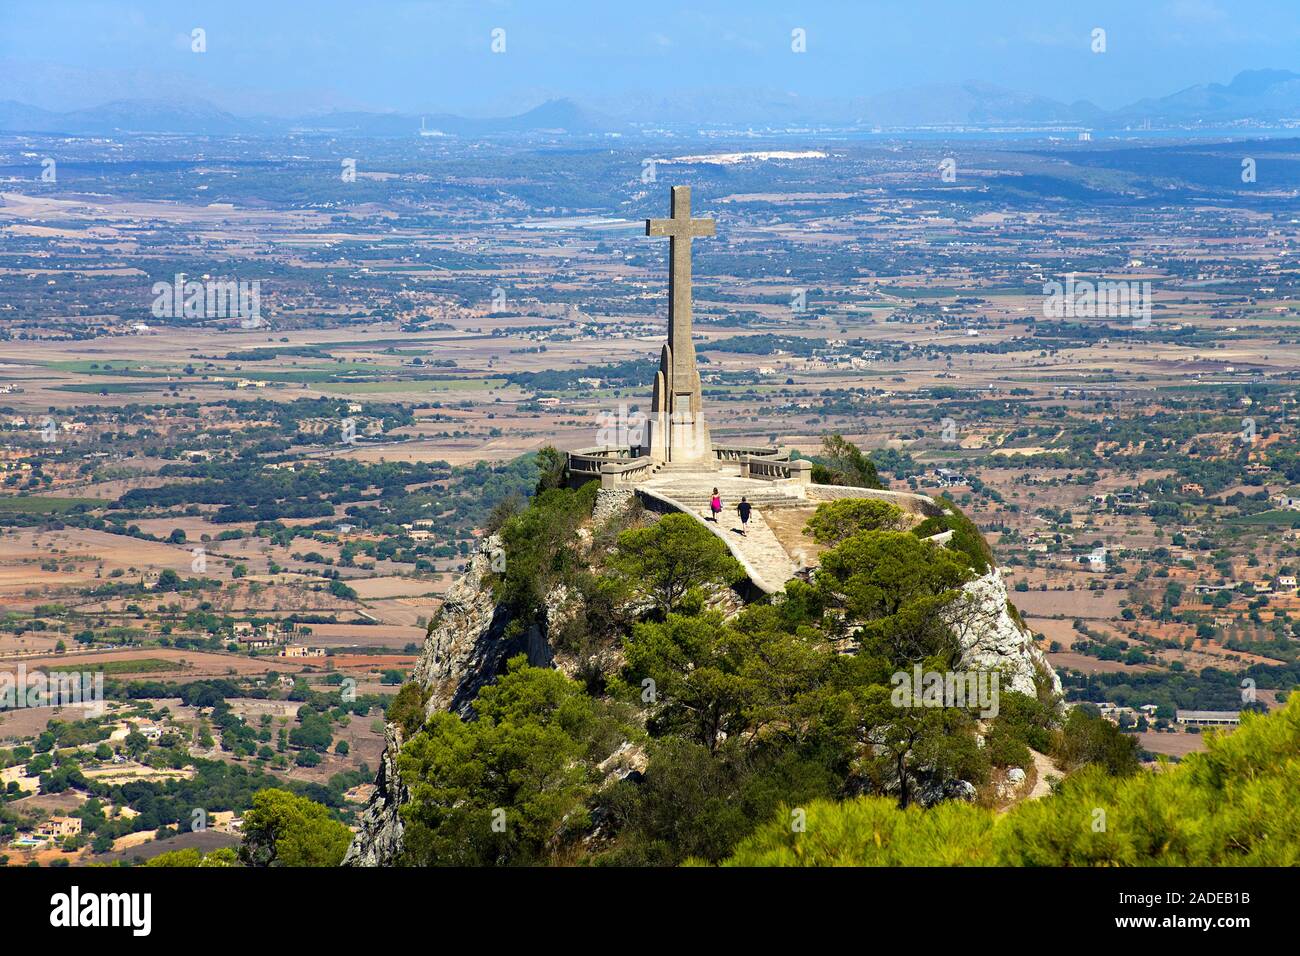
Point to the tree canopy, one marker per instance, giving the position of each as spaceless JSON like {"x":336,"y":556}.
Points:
{"x":284,"y":829}
{"x":836,"y":520}
{"x":666,"y":560}
{"x":1229,"y":806}
{"x":509,"y":786}
{"x":843,"y":463}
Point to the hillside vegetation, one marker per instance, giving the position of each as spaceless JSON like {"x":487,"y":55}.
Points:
{"x":691,"y":719}
{"x":1231,"y":806}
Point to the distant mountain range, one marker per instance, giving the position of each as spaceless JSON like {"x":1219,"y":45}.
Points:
{"x":1256,"y":97}
{"x":201,"y":117}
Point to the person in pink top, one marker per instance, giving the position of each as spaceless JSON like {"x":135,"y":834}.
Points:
{"x":715,"y":505}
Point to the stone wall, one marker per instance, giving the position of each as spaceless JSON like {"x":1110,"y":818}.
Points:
{"x":907,"y":500}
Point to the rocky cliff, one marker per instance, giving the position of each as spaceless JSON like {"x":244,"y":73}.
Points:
{"x":379,"y":841}
{"x":467,"y":643}
{"x":993,"y":637}
{"x":466,"y":646}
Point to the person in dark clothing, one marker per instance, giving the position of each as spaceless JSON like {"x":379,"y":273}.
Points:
{"x":744,"y":508}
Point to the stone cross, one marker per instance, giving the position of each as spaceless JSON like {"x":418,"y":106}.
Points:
{"x":678,"y":430}
{"x":680,"y":229}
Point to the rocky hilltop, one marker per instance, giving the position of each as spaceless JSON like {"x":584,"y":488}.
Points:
{"x":468,"y":640}
{"x":472,"y":637}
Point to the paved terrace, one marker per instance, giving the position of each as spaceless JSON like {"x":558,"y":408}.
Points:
{"x":769,"y":558}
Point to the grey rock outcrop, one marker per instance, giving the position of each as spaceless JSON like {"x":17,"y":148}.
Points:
{"x":993,"y":639}
{"x":465,"y":648}
{"x":466,"y":645}
{"x":379,"y":840}
{"x":928,"y":788}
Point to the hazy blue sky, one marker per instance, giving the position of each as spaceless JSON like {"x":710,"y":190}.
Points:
{"x":282,"y":56}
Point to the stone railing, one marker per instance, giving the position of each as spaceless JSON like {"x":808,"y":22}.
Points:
{"x":776,"y":469}
{"x":616,"y":474}
{"x":586,"y":463}
{"x":907,"y":500}
{"x":602,"y":451}
{"x":741,"y":452}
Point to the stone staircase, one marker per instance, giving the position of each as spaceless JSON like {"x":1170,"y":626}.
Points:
{"x":765,"y":560}
{"x":694,"y":489}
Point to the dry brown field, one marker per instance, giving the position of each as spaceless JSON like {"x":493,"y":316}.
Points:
{"x":185,"y":664}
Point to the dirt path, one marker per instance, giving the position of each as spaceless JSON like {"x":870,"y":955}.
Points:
{"x":1043,"y":768}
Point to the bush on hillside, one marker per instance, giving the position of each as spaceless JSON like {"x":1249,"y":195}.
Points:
{"x":1230,"y":806}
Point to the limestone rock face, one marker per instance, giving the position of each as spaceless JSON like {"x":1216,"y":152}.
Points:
{"x":928,"y":788}
{"x":463,"y":650}
{"x":1009,"y":787}
{"x":993,"y":639}
{"x":466,"y":646}
{"x":379,"y":840}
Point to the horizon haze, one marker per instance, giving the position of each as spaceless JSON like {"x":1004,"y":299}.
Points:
{"x":656,"y":61}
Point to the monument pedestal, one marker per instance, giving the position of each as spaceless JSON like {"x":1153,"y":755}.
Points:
{"x":680,"y":439}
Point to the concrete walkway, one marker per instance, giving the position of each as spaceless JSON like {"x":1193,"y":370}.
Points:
{"x":766,"y":562}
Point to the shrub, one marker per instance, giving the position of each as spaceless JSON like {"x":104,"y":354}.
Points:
{"x":1088,"y":738}
{"x":836,"y":520}
{"x":842,"y":463}
{"x":283,"y":829}
{"x":966,"y":537}
{"x":872,"y":831}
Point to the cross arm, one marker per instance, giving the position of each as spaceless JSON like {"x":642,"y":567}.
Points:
{"x":680,"y":228}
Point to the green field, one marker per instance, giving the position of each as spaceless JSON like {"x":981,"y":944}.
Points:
{"x":34,"y":504}
{"x":124,"y":369}
{"x":414,"y":385}
{"x":1276,"y":518}
{"x":143,"y":665}
{"x":114,"y":388}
